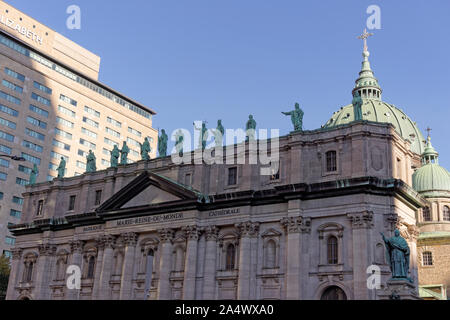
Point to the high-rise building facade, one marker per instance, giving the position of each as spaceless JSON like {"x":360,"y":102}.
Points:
{"x":52,"y":106}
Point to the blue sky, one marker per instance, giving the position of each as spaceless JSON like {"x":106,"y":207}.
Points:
{"x":209,"y":59}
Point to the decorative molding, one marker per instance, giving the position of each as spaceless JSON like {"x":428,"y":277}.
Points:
{"x":361,"y":219}
{"x":47,"y":249}
{"x":16,"y":253}
{"x":297,"y":224}
{"x":211,"y":233}
{"x":130,"y":239}
{"x":109,"y":241}
{"x":76,"y":246}
{"x":248,"y":229}
{"x":191,"y":232}
{"x":166,"y":235}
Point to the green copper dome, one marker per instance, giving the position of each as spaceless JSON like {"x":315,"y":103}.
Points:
{"x":431,"y":180}
{"x":379,"y":111}
{"x":374,"y":109}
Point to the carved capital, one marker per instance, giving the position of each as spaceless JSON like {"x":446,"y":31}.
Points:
{"x":413,"y":232}
{"x":108,"y":241}
{"x":392,"y":221}
{"x":191,"y":232}
{"x":211,"y":233}
{"x":16,"y":253}
{"x":361,"y":219}
{"x":166,"y":235}
{"x":76,"y":246}
{"x":248,"y":229}
{"x":46,"y":249}
{"x":296,"y":224}
{"x":130,"y":239}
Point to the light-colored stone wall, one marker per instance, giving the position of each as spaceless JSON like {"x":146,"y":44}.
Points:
{"x":190,"y":245}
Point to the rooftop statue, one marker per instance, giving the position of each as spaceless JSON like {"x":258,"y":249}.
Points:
{"x":357,"y":106}
{"x":124,"y":153}
{"x":296,"y":117}
{"x":203,"y":135}
{"x":179,"y":140}
{"x":219,"y":133}
{"x":61,"y":168}
{"x":250,"y":128}
{"x":33,"y":175}
{"x":397,"y":256}
{"x":115,"y":154}
{"x":162,"y":144}
{"x":91,"y":165}
{"x":145,"y":149}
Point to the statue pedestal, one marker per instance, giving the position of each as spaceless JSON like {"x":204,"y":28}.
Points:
{"x":398,"y":290}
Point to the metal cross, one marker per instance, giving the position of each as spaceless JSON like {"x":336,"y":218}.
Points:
{"x":364,"y":37}
{"x":429,"y":130}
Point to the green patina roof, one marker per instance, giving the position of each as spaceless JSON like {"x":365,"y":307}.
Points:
{"x":375,"y":110}
{"x":379,"y":111}
{"x":431,"y":180}
{"x":434,"y":234}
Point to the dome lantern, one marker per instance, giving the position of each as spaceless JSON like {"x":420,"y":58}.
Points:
{"x":366,"y":84}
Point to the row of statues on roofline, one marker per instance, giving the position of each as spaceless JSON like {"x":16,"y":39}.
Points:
{"x":120,"y":156}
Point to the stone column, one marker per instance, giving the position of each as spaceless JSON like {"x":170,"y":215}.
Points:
{"x":98,"y":268}
{"x":44,"y":271}
{"x":107,"y":265}
{"x":14,"y":274}
{"x":247,"y":230}
{"x":190,"y":266}
{"x":362,"y":251}
{"x":293,"y":229}
{"x":76,"y":248}
{"x":166,"y":236}
{"x":126,"y":285}
{"x":209,"y":277}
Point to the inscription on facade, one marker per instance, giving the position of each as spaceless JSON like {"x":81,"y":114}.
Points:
{"x":224,"y":212}
{"x":149,"y":219}
{"x":92,"y":228}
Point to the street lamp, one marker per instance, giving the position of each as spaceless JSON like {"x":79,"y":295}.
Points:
{"x":15,"y":158}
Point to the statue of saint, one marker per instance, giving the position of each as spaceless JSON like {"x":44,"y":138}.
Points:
{"x":296,"y":117}
{"x":61,"y":168}
{"x":203,"y":135}
{"x":162,"y":144}
{"x":91,"y":165}
{"x":115,"y":154}
{"x":124,"y":153}
{"x":357,"y":106}
{"x":33,"y":175}
{"x":250,"y":128}
{"x":145,"y":149}
{"x":219,"y":133}
{"x":179,"y":140}
{"x":397,"y":256}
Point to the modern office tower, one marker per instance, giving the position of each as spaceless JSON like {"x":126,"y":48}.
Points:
{"x":51,"y":106}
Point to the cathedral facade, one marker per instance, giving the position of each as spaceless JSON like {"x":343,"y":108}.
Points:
{"x":156,"y":230}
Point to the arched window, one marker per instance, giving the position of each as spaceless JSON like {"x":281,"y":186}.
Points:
{"x":331,"y":161}
{"x":28,"y":272}
{"x":60,"y":268}
{"x":446,"y":213}
{"x":379,"y":253}
{"x":178,"y":259}
{"x":426,"y":214}
{"x":230,"y":257}
{"x":427,"y":258}
{"x":332,"y":250}
{"x":271,"y":249}
{"x":333,"y":293}
{"x":91,"y":268}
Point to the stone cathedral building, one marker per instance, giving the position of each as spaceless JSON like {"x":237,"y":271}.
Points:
{"x":156,"y":230}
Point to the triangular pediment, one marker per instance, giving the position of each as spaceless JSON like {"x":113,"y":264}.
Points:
{"x":149,"y":189}
{"x":151,"y":195}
